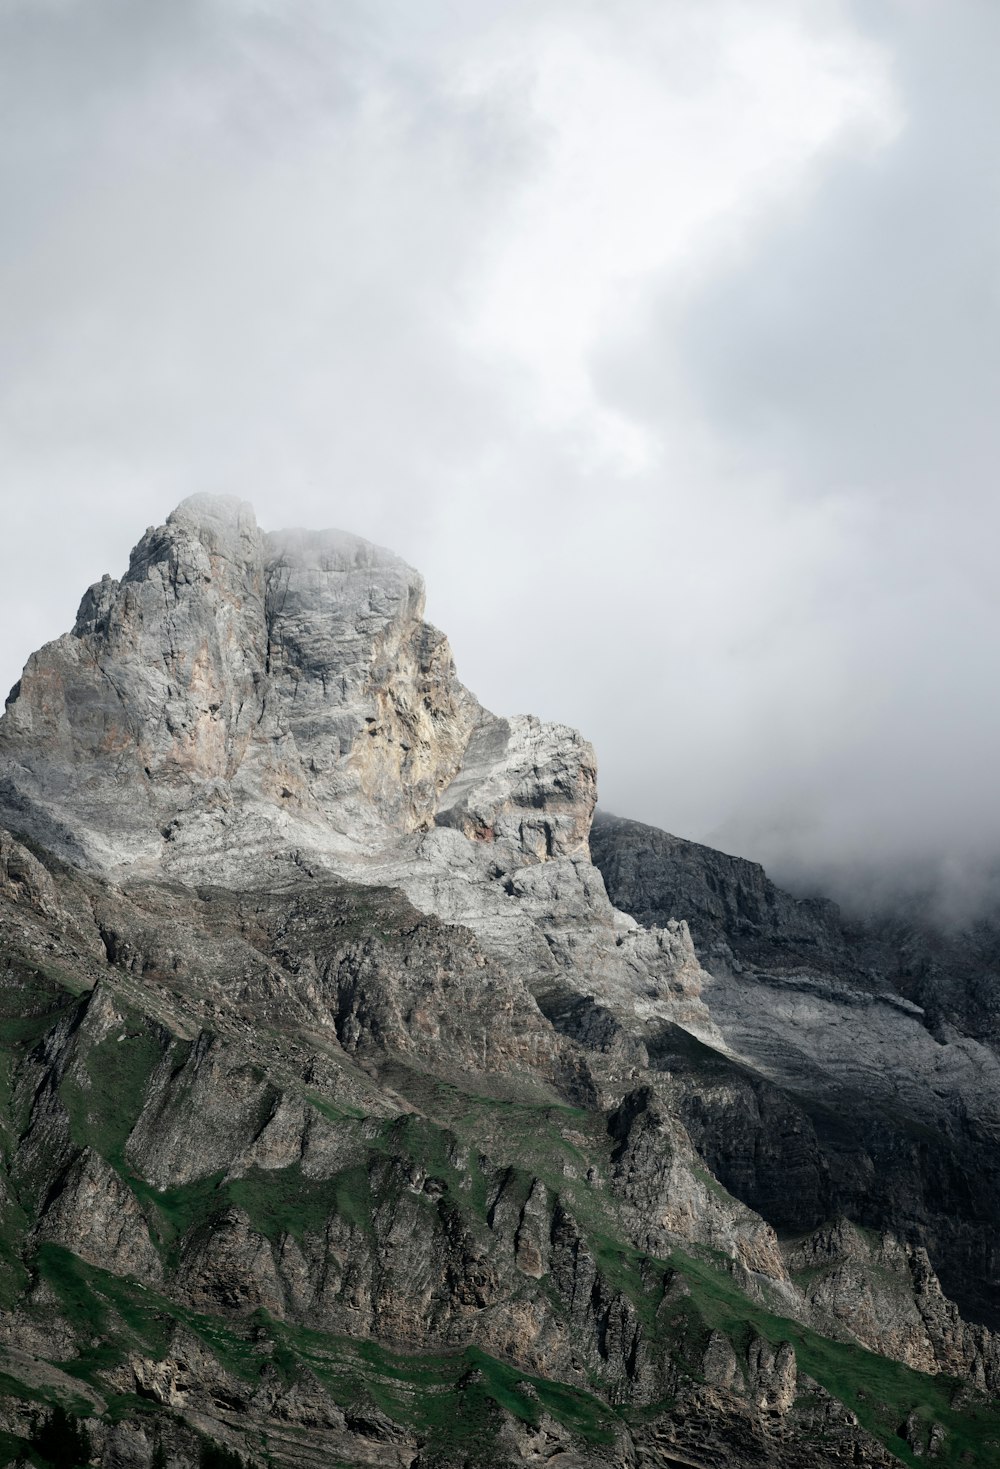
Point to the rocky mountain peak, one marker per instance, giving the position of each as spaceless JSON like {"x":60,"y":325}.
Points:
{"x":208,"y":540}
{"x":345,"y":1118}
{"x":241,"y":697}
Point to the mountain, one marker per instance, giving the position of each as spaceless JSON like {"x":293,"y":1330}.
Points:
{"x":368,"y":1101}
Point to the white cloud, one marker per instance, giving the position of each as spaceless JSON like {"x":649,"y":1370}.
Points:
{"x":666,"y":131}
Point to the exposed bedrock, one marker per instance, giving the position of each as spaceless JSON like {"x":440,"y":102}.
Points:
{"x":238,"y":699}
{"x":840,"y":1094}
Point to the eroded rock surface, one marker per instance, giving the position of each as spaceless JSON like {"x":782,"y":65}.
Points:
{"x":238,"y":698}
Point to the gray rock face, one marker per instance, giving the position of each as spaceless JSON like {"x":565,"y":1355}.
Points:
{"x":245,"y":707}
{"x":99,"y":1218}
{"x":365,"y":687}
{"x":526,"y":783}
{"x":887,"y":1295}
{"x":238,"y":698}
{"x":654,"y":875}
{"x":737,"y":913}
{"x":874,"y":1104}
{"x":153,"y":708}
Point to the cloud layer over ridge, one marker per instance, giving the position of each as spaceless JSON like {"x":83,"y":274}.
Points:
{"x":662,"y":338}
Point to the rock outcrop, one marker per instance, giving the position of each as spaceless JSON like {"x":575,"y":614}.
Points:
{"x":237,"y":698}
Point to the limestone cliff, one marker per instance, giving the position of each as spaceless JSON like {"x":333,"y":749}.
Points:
{"x":238,"y":697}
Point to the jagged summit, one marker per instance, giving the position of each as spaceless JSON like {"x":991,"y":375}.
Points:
{"x":244,"y":707}
{"x":206,"y":511}
{"x":238,"y":697}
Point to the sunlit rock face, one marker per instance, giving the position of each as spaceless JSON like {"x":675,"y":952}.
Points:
{"x":246,"y":708}
{"x":366,"y":688}
{"x":238,"y":694}
{"x":153,"y":713}
{"x":524,"y":782}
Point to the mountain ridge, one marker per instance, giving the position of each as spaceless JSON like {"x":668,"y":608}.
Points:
{"x":347,"y":1118}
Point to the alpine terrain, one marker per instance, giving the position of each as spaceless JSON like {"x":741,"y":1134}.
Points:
{"x":366,"y":1101}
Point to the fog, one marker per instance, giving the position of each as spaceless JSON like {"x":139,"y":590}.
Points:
{"x":662,"y":338}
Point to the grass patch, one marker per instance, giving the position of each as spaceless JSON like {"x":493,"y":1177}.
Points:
{"x":627,"y":1270}
{"x":341,"y":1112}
{"x":353,"y":1197}
{"x":174,"y":1212}
{"x":444,"y":1398}
{"x":283,"y":1201}
{"x":277,"y":1201}
{"x":112,"y":1316}
{"x":14,"y":1227}
{"x":106,"y":1311}
{"x":12,"y":1448}
{"x":104,"y":1108}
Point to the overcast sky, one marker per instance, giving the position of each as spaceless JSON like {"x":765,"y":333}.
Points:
{"x":661,"y":335}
